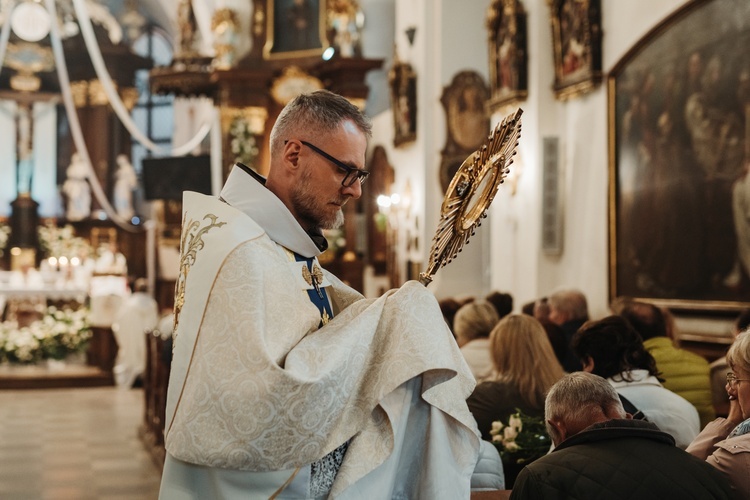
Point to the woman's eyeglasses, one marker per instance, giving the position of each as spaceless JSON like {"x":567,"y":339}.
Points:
{"x":732,"y":380}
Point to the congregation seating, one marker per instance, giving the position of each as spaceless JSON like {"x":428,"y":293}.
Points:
{"x":155,"y":380}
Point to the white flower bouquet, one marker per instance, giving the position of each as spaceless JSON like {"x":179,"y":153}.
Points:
{"x":522,"y":440}
{"x":59,"y":333}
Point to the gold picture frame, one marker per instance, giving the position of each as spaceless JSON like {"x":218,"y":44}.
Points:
{"x":577,"y":46}
{"x":679,"y":149}
{"x":295,"y":28}
{"x":506,"y":24}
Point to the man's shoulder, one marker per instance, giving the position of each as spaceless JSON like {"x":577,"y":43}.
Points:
{"x":659,"y":467}
{"x":661,"y":348}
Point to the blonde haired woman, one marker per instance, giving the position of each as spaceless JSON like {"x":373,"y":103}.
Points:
{"x":525,"y":368}
{"x":472,"y":326}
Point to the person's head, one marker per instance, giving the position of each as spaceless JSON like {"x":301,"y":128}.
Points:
{"x":541,"y":309}
{"x":577,"y":401}
{"x":647,"y":319}
{"x":522,"y":354}
{"x":528,"y":308}
{"x":449,"y":307}
{"x":474,"y":320}
{"x":567,"y":305}
{"x":140,"y":285}
{"x":503,"y":303}
{"x":619,"y":303}
{"x":611,"y":347}
{"x":318,"y":144}
{"x":738,"y":359}
{"x":742,"y":322}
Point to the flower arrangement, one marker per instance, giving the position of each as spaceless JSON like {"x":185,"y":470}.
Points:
{"x":522,"y":440}
{"x":59,"y":333}
{"x":62,"y":242}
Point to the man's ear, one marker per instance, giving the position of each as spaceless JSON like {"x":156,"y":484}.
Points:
{"x":562,"y":431}
{"x":291,"y":153}
{"x":588,"y":365}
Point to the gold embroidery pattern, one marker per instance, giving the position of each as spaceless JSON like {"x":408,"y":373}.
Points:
{"x":190,"y":244}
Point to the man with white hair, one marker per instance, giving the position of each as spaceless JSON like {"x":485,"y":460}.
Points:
{"x":601,"y":452}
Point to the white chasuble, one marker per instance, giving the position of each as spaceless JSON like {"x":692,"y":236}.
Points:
{"x":257,"y":390}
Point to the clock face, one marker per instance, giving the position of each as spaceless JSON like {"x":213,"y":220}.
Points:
{"x":30,"y":21}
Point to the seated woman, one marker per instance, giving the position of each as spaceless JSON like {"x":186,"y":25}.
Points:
{"x":612,"y":349}
{"x":525,"y":368}
{"x":472,"y":326}
{"x":725,"y":442}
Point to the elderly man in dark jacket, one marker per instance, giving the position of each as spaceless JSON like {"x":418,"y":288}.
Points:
{"x":602,"y":453}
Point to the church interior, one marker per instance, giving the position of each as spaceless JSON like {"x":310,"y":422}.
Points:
{"x":630,"y":179}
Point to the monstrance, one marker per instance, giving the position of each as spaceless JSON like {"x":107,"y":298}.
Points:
{"x":470,"y":193}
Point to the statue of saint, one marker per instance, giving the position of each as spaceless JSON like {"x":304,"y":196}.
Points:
{"x":125,"y":181}
{"x":77,"y":190}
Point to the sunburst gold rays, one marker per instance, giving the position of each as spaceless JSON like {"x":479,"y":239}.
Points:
{"x":470,"y":193}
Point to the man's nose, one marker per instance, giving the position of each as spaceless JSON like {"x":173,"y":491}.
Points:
{"x":355,"y":190}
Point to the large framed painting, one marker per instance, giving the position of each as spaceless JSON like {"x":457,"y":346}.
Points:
{"x":577,"y":46}
{"x":506,"y":24}
{"x":295,"y":28}
{"x":679,"y":127}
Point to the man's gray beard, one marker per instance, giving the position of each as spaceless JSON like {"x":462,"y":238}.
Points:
{"x":304,"y":205}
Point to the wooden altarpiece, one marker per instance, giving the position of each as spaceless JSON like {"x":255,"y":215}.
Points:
{"x":280,"y":65}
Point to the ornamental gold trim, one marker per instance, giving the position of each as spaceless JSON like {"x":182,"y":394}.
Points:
{"x":190,"y":244}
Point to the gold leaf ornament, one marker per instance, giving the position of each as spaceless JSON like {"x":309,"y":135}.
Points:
{"x":190,"y":244}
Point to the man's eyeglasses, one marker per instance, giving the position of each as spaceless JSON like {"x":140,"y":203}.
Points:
{"x":732,"y":380}
{"x":351,"y":174}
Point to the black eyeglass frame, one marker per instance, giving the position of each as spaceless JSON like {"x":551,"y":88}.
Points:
{"x":351,"y":173}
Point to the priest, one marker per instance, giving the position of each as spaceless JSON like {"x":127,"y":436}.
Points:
{"x":286,"y":383}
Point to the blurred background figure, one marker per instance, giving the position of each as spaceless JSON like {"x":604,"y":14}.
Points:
{"x":524,"y":369}
{"x":569,"y":310}
{"x":473,"y":324}
{"x":683,"y":372}
{"x":449,"y":307}
{"x":612,"y":349}
{"x":138,"y":314}
{"x":503,"y":303}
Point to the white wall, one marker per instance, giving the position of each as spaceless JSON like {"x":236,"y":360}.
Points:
{"x":506,"y":252}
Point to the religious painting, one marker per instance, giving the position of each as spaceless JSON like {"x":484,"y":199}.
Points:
{"x":467,"y":123}
{"x":295,"y":28}
{"x":403,"y":83}
{"x":506,"y":22}
{"x":577,"y":46}
{"x":679,"y":138}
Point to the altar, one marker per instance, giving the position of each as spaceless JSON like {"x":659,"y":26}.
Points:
{"x":56,"y":321}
